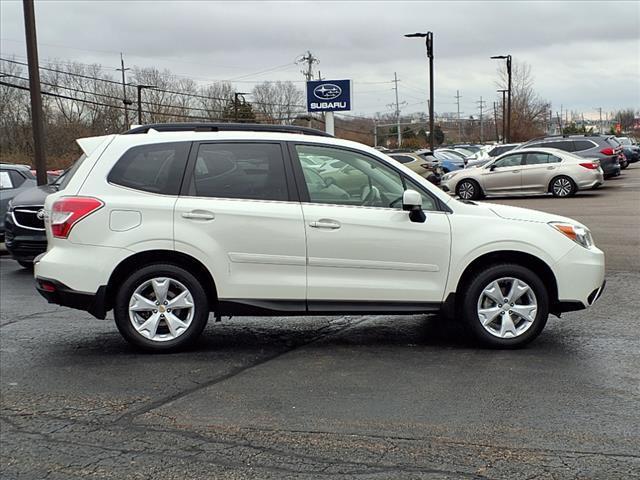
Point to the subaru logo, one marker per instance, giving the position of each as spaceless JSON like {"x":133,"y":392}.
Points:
{"x":327,"y":91}
{"x":40,"y":214}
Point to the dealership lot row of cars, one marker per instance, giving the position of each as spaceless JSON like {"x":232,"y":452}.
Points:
{"x":556,"y":165}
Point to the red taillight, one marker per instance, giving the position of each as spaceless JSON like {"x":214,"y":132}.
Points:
{"x":47,"y":286}
{"x":607,"y":151}
{"x":68,"y":211}
{"x":590,"y":165}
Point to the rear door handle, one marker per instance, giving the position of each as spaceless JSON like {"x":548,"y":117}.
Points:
{"x":516,"y":171}
{"x":199,"y":215}
{"x":551,"y":168}
{"x":328,"y":224}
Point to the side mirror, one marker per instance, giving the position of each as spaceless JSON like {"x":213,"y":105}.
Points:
{"x":492,"y":167}
{"x":329,"y":181}
{"x":412,"y":202}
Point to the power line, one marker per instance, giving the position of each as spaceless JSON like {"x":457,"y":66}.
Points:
{"x":113,"y":82}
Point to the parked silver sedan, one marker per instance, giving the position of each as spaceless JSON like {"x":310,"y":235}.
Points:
{"x":524,"y":172}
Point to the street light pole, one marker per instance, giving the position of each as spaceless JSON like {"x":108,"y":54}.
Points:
{"x":503,"y":115}
{"x":140,"y":88}
{"x":428,"y":36}
{"x":508,"y":59}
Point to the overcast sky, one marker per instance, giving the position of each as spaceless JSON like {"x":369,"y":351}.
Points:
{"x":583,"y":55}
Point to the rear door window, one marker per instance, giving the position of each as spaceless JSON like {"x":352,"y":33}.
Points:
{"x":16,"y":178}
{"x":253,"y":171}
{"x":512,"y":160}
{"x":537,"y":158}
{"x":156,"y":168}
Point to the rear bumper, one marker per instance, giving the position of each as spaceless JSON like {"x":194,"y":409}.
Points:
{"x":58,"y":293}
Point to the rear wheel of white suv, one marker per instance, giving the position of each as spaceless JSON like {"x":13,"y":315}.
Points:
{"x":505,"y":306}
{"x":161,"y":307}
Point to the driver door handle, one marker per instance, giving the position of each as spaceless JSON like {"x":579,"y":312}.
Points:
{"x":328,"y":224}
{"x":199,"y":215}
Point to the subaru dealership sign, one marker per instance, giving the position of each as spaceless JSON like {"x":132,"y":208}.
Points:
{"x":328,"y":95}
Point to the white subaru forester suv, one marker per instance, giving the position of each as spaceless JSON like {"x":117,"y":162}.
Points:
{"x":167,"y":223}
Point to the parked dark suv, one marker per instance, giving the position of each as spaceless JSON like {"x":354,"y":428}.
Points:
{"x":25,"y":235}
{"x":603,"y":147}
{"x":13,"y":180}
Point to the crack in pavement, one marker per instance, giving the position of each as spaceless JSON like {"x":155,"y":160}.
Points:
{"x":321,"y":334}
{"x":351,"y":467}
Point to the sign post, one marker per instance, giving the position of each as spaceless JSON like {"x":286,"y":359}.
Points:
{"x":329,"y":96}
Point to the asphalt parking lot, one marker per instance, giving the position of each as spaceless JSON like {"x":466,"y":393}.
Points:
{"x":325,"y":397}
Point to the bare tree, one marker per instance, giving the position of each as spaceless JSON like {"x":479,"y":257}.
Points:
{"x":528,"y":111}
{"x":278,"y":102}
{"x":213,"y":98}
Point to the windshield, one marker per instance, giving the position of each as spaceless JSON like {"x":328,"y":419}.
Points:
{"x":624,"y":140}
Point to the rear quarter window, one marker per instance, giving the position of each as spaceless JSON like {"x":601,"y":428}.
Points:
{"x":5,"y":180}
{"x":157,"y":168}
{"x":566,"y":145}
{"x":402,"y":158}
{"x":583,"y":145}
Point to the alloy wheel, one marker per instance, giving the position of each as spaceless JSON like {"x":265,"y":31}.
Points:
{"x":507,"y":307}
{"x":562,"y":187}
{"x":466,"y":190}
{"x":161,"y":309}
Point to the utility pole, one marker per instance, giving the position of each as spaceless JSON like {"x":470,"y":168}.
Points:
{"x":458,"y":97}
{"x":600,"y":110}
{"x":34,"y":89}
{"x":124,"y":92}
{"x":140,"y":88}
{"x":310,"y":60}
{"x":560,"y":120}
{"x":495,"y":120}
{"x":375,"y":134}
{"x":481,"y":104}
{"x":395,"y":81}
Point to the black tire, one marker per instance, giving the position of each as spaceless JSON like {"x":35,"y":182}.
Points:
{"x":174,"y":272}
{"x":473,"y":290}
{"x":27,"y":265}
{"x":562,"y":186}
{"x":470,"y":189}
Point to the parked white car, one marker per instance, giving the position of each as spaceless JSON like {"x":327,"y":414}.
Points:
{"x":167,"y":223}
{"x":525,"y":172}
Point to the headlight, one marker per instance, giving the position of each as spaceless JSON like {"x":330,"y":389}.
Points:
{"x":580,"y":235}
{"x":449,"y":176}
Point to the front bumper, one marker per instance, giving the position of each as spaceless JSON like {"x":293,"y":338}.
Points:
{"x":580,"y":279}
{"x":24,"y":244}
{"x":58,"y":293}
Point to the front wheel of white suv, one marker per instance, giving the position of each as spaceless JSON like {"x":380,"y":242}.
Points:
{"x":161,"y":307}
{"x":505,"y":306}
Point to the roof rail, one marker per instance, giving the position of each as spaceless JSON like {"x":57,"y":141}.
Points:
{"x":225,"y":127}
